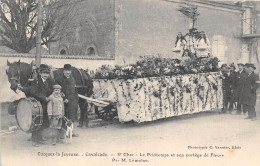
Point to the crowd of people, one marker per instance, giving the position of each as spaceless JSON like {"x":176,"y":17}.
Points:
{"x":58,"y":98}
{"x":239,"y":89}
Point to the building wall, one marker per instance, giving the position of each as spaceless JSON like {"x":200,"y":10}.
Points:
{"x":225,"y":24}
{"x":254,"y":53}
{"x":250,"y":45}
{"x":146,"y":27}
{"x":95,"y":28}
{"x":150,"y":27}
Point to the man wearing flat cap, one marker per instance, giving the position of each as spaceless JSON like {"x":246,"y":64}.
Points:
{"x":240,"y":78}
{"x":40,"y":89}
{"x":249,"y":91}
{"x":68,"y":84}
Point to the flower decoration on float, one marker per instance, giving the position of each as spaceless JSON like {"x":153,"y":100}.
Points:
{"x":154,"y":66}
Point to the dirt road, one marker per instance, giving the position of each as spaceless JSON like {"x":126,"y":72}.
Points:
{"x":202,"y":139}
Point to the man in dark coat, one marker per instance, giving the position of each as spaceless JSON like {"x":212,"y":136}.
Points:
{"x":249,"y":91}
{"x":225,"y":86}
{"x":240,"y":78}
{"x":67,"y":82}
{"x":40,"y":89}
{"x":232,"y":83}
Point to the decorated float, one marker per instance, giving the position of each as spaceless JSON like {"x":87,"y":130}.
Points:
{"x":155,"y":87}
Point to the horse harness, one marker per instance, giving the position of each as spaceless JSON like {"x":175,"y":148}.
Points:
{"x":19,"y":75}
{"x":33,"y":72}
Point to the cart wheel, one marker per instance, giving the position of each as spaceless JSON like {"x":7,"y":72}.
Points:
{"x":106,"y":113}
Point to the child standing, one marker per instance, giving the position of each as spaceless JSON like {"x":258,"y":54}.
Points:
{"x":55,"y":109}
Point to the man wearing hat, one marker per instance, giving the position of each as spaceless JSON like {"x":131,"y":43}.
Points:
{"x":68,"y":84}
{"x":40,"y":89}
{"x":233,"y":87}
{"x":240,"y":78}
{"x":225,"y":86}
{"x":249,"y":91}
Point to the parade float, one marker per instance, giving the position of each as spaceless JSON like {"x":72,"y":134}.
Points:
{"x":151,"y":90}
{"x":156,"y":87}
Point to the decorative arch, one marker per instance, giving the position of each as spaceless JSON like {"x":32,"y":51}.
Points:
{"x":84,"y":39}
{"x":88,"y":28}
{"x":88,"y":35}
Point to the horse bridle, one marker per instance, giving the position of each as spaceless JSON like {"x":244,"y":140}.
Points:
{"x":17,"y":79}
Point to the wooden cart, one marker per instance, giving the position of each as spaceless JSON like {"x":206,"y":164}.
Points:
{"x":104,"y":109}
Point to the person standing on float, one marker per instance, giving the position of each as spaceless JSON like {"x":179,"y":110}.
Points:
{"x":67,"y":82}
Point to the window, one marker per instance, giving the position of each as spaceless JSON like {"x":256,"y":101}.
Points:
{"x":91,"y":51}
{"x":63,"y":52}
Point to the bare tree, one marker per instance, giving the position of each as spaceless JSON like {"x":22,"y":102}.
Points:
{"x":18,"y":22}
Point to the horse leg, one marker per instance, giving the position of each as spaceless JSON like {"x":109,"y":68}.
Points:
{"x":83,"y":113}
{"x":86,"y":115}
{"x":81,"y":119}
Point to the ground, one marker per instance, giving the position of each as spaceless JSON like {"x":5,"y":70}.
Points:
{"x":227,"y":139}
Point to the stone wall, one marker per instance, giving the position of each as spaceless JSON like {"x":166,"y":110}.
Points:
{"x":94,"y":35}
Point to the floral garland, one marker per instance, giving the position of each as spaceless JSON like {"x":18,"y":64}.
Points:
{"x":145,"y":95}
{"x":139,"y":99}
{"x":160,"y":92}
{"x":179,"y":83}
{"x":173,"y":92}
{"x":115,"y":89}
{"x":191,"y":96}
{"x":149,"y":98}
{"x":155,"y":93}
{"x":128,"y":90}
{"x":215,"y":87}
{"x":124,"y":95}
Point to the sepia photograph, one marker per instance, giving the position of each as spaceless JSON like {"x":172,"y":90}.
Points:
{"x":129,"y":82}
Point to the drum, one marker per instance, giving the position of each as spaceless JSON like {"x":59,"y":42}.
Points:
{"x":29,"y":114}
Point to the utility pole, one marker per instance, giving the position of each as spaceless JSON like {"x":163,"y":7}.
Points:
{"x":39,"y":29}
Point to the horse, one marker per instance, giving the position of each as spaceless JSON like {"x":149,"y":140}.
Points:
{"x":20,"y":73}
